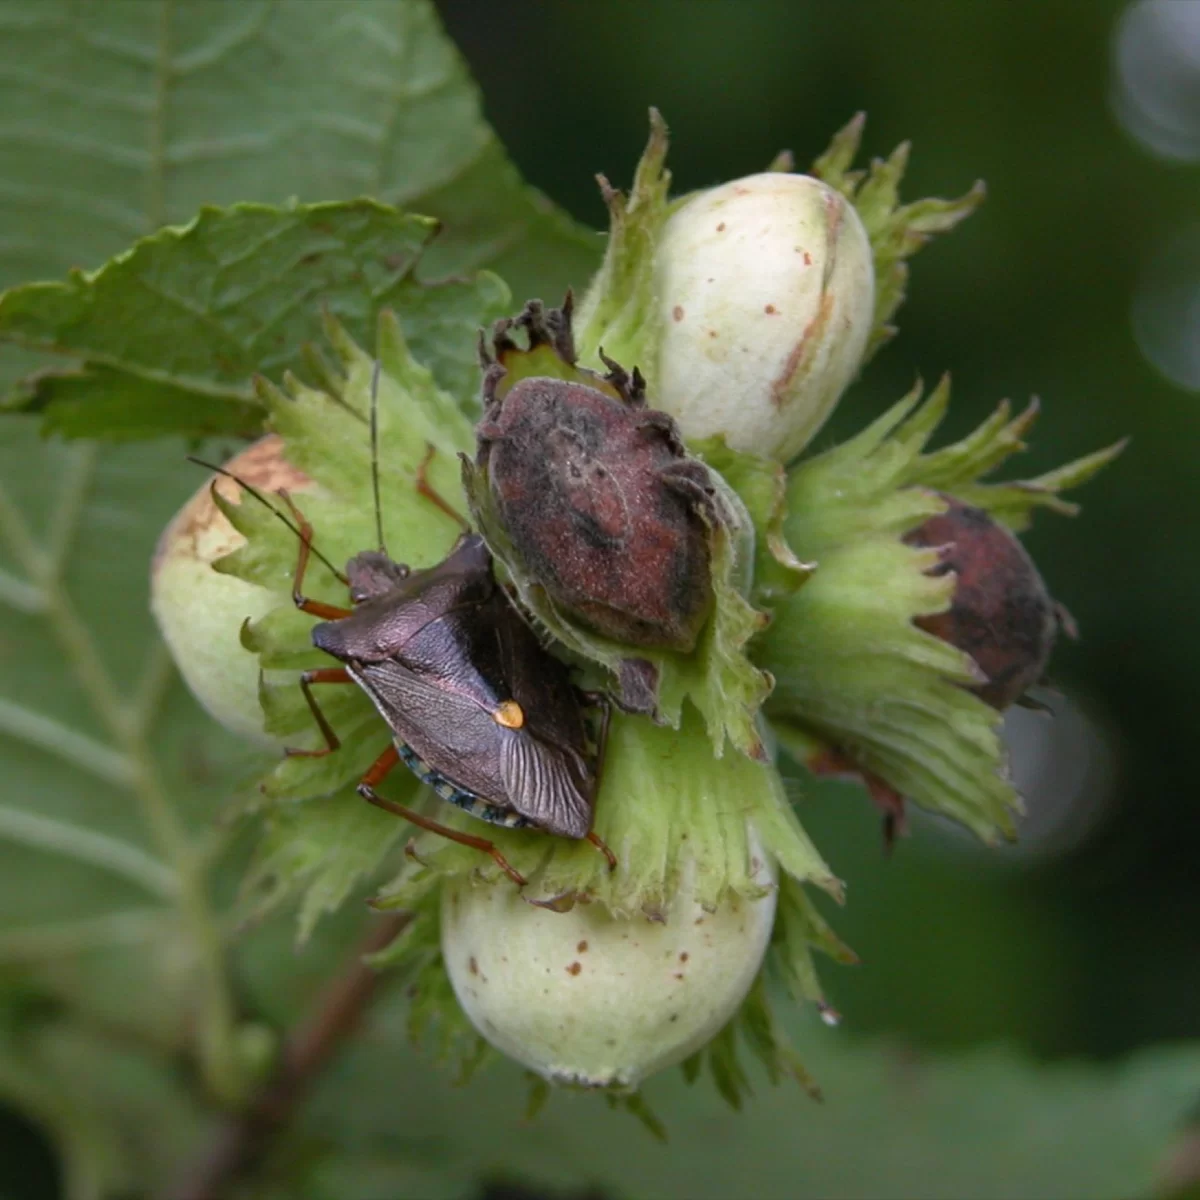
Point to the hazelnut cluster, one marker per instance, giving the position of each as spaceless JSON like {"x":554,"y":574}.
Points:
{"x":636,"y":480}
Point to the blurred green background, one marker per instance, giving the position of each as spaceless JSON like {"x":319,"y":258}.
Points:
{"x":1078,"y":281}
{"x":1085,"y":940}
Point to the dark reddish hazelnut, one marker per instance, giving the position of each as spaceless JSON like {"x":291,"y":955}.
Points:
{"x":1001,"y":613}
{"x":602,"y":504}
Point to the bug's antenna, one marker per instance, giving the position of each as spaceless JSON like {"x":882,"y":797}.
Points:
{"x":266,"y":504}
{"x":375,"y":454}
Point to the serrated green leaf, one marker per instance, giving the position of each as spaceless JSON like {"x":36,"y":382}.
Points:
{"x":122,"y":407}
{"x":134,"y":115}
{"x":188,"y":315}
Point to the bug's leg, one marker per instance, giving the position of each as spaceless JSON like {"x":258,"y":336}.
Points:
{"x":321,"y":675}
{"x":601,"y":701}
{"x":366,"y":789}
{"x":426,"y":489}
{"x":327,"y":612}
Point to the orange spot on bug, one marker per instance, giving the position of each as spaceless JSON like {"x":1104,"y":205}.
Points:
{"x":509,"y":714}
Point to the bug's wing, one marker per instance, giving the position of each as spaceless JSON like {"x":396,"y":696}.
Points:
{"x":544,"y":784}
{"x":451,"y":733}
{"x":538,"y":681}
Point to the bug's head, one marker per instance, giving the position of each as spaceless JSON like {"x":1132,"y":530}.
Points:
{"x":463,"y":576}
{"x":372,"y":573}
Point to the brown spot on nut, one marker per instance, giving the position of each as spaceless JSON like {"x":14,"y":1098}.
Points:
{"x":574,"y":968}
{"x":581,"y":948}
{"x":802,"y":350}
{"x":677,"y":312}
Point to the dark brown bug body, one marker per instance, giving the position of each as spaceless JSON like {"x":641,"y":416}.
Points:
{"x":477,"y":707}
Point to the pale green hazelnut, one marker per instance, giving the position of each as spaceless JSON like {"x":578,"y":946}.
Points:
{"x":200,"y":611}
{"x":765,"y":289}
{"x":588,"y":999}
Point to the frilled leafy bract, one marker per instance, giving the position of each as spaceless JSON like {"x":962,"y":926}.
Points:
{"x":858,"y":683}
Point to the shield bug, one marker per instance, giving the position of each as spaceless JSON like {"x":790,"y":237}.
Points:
{"x":478,"y":708}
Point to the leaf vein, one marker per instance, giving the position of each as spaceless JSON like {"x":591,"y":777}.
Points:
{"x":72,"y":747}
{"x":30,"y":135}
{"x":19,"y":594}
{"x":119,"y":216}
{"x":89,"y":846}
{"x":72,"y":88}
{"x":210,"y":54}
